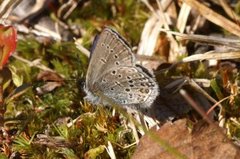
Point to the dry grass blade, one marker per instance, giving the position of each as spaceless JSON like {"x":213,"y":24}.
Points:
{"x":43,"y":31}
{"x":158,"y":20}
{"x":210,"y":40}
{"x":213,"y":55}
{"x":81,"y":48}
{"x":183,"y":17}
{"x":7,"y":6}
{"x":196,"y":87}
{"x":149,"y":36}
{"x":70,"y":5}
{"x":110,"y":150}
{"x":229,"y":11}
{"x":214,"y":17}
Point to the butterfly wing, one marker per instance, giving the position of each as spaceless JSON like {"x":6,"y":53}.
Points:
{"x":129,"y":86}
{"x":108,"y":51}
{"x":112,"y":72}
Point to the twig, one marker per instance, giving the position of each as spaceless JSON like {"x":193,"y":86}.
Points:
{"x":37,"y":64}
{"x":217,"y":104}
{"x":195,"y":86}
{"x":195,"y":106}
{"x":82,"y":48}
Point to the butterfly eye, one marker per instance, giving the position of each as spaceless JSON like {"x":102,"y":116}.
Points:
{"x":111,"y":50}
{"x":117,"y":63}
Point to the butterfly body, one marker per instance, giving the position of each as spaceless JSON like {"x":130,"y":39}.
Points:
{"x":113,"y":74}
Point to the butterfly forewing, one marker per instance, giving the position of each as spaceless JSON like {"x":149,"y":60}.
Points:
{"x":110,"y":51}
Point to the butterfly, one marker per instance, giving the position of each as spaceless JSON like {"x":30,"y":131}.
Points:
{"x":113,"y":74}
